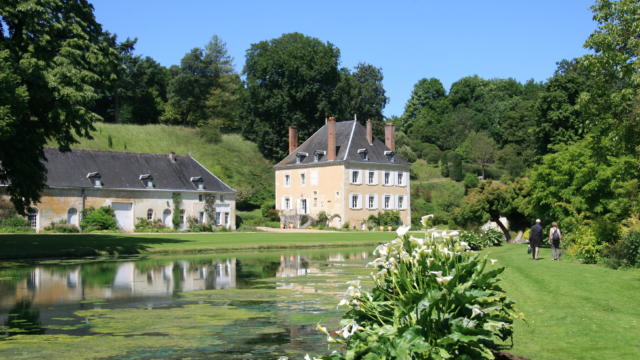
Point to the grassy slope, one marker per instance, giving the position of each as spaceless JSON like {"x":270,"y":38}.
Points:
{"x":235,"y":160}
{"x":572,"y":311}
{"x":78,"y":245}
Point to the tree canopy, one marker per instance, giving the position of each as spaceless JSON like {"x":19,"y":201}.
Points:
{"x":54,"y":58}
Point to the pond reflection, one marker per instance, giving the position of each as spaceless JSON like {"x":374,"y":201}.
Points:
{"x":243,"y":305}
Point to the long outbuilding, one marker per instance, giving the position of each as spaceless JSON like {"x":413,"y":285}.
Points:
{"x":136,"y":185}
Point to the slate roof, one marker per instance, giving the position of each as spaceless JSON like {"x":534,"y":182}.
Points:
{"x":350,"y":137}
{"x":122,"y":170}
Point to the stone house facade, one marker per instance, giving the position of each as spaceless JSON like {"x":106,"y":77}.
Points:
{"x":344,"y":171}
{"x":135,"y":185}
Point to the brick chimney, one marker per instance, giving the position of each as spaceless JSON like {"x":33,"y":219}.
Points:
{"x":331,"y":138}
{"x":293,"y":139}
{"x":389,"y":137}
{"x":369,"y":131}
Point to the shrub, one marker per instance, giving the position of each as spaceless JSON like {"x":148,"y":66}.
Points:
{"x":444,"y":165}
{"x":584,"y":245}
{"x":269,"y":212}
{"x":14,"y":222}
{"x":345,"y":225}
{"x":470,"y":181}
{"x":385,"y":218}
{"x":455,"y":167}
{"x":431,"y":153}
{"x":61,"y":227}
{"x":102,"y":218}
{"x":193,"y":225}
{"x":473,"y":240}
{"x":625,"y":252}
{"x":156,"y":225}
{"x":431,"y":300}
{"x":492,"y":237}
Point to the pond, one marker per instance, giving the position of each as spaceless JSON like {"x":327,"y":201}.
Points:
{"x":258,"y":305}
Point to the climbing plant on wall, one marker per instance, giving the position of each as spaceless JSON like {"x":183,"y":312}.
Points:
{"x":176,"y":218}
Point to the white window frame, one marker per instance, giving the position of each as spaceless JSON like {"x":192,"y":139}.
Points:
{"x":402,"y":206}
{"x":391,"y":204}
{"x":359,"y":180}
{"x":303,"y":178}
{"x":286,"y":203}
{"x":287,"y":179}
{"x":401,"y":181}
{"x":375,"y":201}
{"x":358,"y":201}
{"x":375,"y":177}
{"x":384,"y":178}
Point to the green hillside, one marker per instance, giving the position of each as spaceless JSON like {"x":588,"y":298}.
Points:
{"x":234,"y":160}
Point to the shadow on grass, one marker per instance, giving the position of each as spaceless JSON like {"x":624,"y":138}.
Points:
{"x":36,"y":246}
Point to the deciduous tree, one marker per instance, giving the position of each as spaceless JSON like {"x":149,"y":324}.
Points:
{"x":54,"y":56}
{"x":289,"y":81}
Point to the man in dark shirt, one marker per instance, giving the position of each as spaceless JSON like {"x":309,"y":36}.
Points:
{"x":535,"y":238}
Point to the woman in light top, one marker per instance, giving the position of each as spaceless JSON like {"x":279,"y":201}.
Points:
{"x":554,"y":240}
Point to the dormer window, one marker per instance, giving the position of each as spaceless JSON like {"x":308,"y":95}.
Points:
{"x":95,"y":179}
{"x":147,"y":180}
{"x":391,"y":156}
{"x":300,"y":156}
{"x":198,"y":182}
{"x":319,"y":154}
{"x":364,"y":154}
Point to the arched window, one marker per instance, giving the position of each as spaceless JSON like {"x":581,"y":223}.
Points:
{"x":72,"y":216}
{"x":166,"y":218}
{"x":150,"y":214}
{"x":32,"y":217}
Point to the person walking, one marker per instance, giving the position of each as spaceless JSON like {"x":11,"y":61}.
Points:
{"x":554,"y":240}
{"x":535,"y":238}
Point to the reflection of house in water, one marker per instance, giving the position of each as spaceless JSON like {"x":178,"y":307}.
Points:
{"x":214,"y":276}
{"x":160,"y":280}
{"x":293,"y":265}
{"x":154,"y":282}
{"x":48,"y":286}
{"x":354,"y":256}
{"x":44,"y":287}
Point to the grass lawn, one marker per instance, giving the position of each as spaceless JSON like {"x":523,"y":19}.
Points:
{"x":25,"y":246}
{"x":572,"y":311}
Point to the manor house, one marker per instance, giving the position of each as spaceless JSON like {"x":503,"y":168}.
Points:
{"x":343,"y":170}
{"x":135,"y":185}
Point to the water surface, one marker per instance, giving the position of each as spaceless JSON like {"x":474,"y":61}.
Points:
{"x":250,"y":305}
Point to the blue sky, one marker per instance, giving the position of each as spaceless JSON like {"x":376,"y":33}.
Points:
{"x":408,"y":39}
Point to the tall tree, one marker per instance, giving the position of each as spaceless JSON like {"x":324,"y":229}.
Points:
{"x":611,"y":104}
{"x":141,"y":91}
{"x":427,"y":94}
{"x":558,"y":116}
{"x":53,"y":57}
{"x":289,"y":81}
{"x":479,"y":147}
{"x":361,"y":93}
{"x":491,"y":201}
{"x":202,"y":73}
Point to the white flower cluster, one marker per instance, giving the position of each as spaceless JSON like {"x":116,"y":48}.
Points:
{"x":352,"y":294}
{"x":388,"y":255}
{"x":424,"y":221}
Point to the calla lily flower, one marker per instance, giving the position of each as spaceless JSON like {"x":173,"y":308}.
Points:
{"x":402,"y":230}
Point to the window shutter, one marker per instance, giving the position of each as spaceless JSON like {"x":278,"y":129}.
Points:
{"x":314,"y":177}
